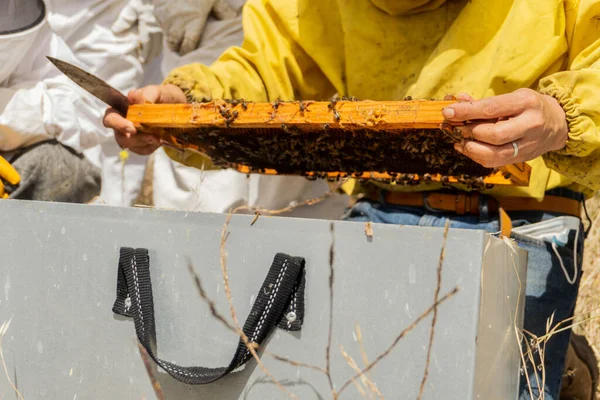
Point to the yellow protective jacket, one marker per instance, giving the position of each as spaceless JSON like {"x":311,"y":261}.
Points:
{"x":389,"y":49}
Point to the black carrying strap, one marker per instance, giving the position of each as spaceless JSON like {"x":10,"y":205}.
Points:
{"x":280,"y":302}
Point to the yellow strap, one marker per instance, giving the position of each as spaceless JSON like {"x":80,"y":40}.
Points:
{"x":505,"y":223}
{"x":8,"y":172}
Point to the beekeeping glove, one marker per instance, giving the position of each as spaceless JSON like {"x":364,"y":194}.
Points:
{"x":138,"y":16}
{"x":9,"y":175}
{"x":183,"y":21}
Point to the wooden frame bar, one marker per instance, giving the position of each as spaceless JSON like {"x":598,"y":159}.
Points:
{"x":392,"y":116}
{"x":383,"y":115}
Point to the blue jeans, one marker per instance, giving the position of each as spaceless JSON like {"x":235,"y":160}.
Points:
{"x":547,"y":288}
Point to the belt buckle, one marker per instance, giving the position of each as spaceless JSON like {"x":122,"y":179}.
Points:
{"x":428,"y":207}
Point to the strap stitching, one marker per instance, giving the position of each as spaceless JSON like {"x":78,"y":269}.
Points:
{"x":270,"y":302}
{"x":268,"y":308}
{"x":195,"y":375}
{"x":137,"y":290}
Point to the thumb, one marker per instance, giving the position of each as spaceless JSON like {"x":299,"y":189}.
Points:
{"x":126,"y":19}
{"x":148,"y":94}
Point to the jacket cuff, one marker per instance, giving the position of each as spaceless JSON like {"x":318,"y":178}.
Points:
{"x":576,"y":122}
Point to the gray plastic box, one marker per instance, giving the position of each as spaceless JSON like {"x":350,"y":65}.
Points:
{"x":58,"y":276}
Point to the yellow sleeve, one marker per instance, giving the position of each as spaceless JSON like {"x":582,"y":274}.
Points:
{"x":578,"y":91}
{"x":270,"y":64}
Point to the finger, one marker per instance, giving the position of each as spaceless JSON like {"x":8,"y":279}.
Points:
{"x":491,"y":156}
{"x":146,"y":94}
{"x":504,"y":105}
{"x":498,"y":133}
{"x":487,"y":155}
{"x":464,"y":97}
{"x":138,"y":140}
{"x":144,"y":150}
{"x":157,"y":94}
{"x":114,"y":120}
{"x":172,"y":94}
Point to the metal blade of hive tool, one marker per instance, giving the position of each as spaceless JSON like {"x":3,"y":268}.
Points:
{"x":93,"y":85}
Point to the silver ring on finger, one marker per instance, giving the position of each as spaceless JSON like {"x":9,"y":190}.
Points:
{"x":516,"y":149}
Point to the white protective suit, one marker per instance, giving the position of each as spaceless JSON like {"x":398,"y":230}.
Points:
{"x":180,"y":187}
{"x":113,"y":38}
{"x":37,"y":102}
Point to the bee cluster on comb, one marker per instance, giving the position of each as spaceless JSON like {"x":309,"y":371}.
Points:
{"x":402,"y":142}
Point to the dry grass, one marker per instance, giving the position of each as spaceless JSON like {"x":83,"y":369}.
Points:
{"x":589,"y":292}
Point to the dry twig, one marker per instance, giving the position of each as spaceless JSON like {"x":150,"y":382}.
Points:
{"x":210,"y":302}
{"x":364,"y":378}
{"x":330,"y":332}
{"x":258,"y":211}
{"x":399,"y":337}
{"x":295,"y":363}
{"x":256,"y":215}
{"x":3,"y":330}
{"x":363,"y":352}
{"x":520,"y":339}
{"x":554,"y":330}
{"x":155,"y":384}
{"x":353,"y":365}
{"x":361,"y":344}
{"x":435,"y":311}
{"x":369,"y":230}
{"x":532,"y":349}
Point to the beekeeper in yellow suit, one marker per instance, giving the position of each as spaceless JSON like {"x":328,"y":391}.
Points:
{"x":529,"y":73}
